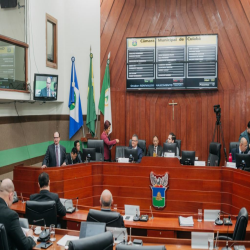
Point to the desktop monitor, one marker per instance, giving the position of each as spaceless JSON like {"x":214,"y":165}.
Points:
{"x":188,"y":157}
{"x":88,"y":151}
{"x":170,"y":148}
{"x":242,"y":157}
{"x":133,"y":152}
{"x":91,"y":229}
{"x":45,"y":87}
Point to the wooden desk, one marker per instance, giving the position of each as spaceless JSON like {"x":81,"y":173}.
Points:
{"x":167,"y":227}
{"x":190,"y":188}
{"x":170,"y":244}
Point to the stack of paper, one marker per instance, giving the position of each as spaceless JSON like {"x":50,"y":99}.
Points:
{"x":186,"y":222}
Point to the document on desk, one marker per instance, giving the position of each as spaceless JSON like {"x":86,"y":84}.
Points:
{"x":65,"y":238}
{"x":186,"y":221}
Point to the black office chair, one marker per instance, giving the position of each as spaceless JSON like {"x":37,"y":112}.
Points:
{"x":179,"y":145}
{"x":239,"y":228}
{"x":112,"y":219}
{"x":141,"y":144}
{"x":36,"y":210}
{"x":214,"y":153}
{"x":134,"y":247}
{"x":99,"y":148}
{"x":3,"y":238}
{"x":119,"y":151}
{"x":102,"y":241}
{"x":233,"y":145}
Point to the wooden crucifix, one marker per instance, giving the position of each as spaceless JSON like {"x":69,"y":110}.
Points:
{"x":173,"y":103}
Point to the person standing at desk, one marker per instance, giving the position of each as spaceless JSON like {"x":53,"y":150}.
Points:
{"x":56,"y":154}
{"x":107,"y":143}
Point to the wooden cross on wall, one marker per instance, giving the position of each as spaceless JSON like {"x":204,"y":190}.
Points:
{"x":173,"y":103}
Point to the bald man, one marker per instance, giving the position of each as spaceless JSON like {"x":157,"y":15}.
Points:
{"x":10,"y":219}
{"x":47,"y":91}
{"x":242,"y":149}
{"x":106,"y":200}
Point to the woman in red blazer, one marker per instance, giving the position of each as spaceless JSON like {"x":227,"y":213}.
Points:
{"x":107,"y":142}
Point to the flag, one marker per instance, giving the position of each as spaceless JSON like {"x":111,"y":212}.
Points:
{"x":91,"y":115}
{"x":105,"y":98}
{"x":75,"y":107}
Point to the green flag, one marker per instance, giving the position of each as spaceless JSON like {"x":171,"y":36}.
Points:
{"x":91,"y":114}
{"x":105,"y":98}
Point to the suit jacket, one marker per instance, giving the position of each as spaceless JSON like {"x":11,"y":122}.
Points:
{"x":43,"y":92}
{"x":50,"y":156}
{"x":107,"y":144}
{"x":121,"y":222}
{"x":151,"y":150}
{"x":139,"y":150}
{"x":46,"y":195}
{"x":69,"y":160}
{"x":245,"y":135}
{"x":236,"y":151}
{"x":16,"y":237}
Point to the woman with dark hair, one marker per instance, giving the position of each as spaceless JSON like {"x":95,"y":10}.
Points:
{"x":107,"y":143}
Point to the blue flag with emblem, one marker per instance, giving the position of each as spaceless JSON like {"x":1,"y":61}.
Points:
{"x":75,"y":107}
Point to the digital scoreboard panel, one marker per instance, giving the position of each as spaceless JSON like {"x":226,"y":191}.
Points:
{"x":176,"y":62}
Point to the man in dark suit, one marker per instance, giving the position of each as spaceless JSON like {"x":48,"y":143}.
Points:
{"x":242,"y":149}
{"x":72,"y":157}
{"x":56,"y":154}
{"x":246,"y":134}
{"x":79,"y":154}
{"x":155,"y":148}
{"x":46,"y":195}
{"x":106,"y":201}
{"x":47,"y":91}
{"x":10,"y":219}
{"x":135,"y":146}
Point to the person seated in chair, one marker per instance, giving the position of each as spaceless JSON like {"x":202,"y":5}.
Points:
{"x":242,"y":149}
{"x":172,"y":139}
{"x":155,"y":148}
{"x":106,"y":201}
{"x":79,"y":153}
{"x":72,"y":157}
{"x":46,"y":195}
{"x":246,"y":135}
{"x":135,"y":146}
{"x":10,"y":219}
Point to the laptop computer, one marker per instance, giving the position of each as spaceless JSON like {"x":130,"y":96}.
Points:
{"x":91,"y":228}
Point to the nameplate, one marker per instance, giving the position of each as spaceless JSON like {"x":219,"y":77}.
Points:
{"x":200,"y":240}
{"x":231,"y":164}
{"x":170,"y":155}
{"x":211,"y":214}
{"x":131,"y":210}
{"x":123,"y":160}
{"x":200,"y":163}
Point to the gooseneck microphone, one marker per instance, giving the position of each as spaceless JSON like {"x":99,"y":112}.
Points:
{"x":227,"y":247}
{"x":44,"y":235}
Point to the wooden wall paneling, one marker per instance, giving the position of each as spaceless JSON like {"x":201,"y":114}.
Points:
{"x":246,"y":8}
{"x":106,"y":6}
{"x":192,"y":17}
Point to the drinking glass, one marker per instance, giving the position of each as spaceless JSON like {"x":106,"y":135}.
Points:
{"x":115,"y":207}
{"x":199,"y":214}
{"x":210,"y":243}
{"x":52,"y":232}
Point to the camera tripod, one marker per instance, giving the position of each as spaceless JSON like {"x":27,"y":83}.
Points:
{"x":218,"y":128}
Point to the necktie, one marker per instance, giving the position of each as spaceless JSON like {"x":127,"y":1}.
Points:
{"x":57,"y":161}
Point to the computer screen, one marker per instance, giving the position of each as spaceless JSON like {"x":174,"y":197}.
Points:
{"x":169,"y":147}
{"x":242,"y":157}
{"x":133,"y":152}
{"x":188,"y":157}
{"x":88,"y":151}
{"x":91,"y":229}
{"x":45,"y":87}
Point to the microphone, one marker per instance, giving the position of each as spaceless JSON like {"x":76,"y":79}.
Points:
{"x":44,"y":236}
{"x":226,"y":247}
{"x":226,"y":221}
{"x":152,"y":217}
{"x":70,"y":209}
{"x":136,"y":217}
{"x":22,"y":198}
{"x":218,"y":221}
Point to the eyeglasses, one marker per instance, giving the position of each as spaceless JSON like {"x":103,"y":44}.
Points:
{"x":56,"y":137}
{"x":134,"y":140}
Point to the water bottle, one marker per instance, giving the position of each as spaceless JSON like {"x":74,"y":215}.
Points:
{"x":243,"y":163}
{"x":208,"y":162}
{"x":130,"y":158}
{"x":230,"y":158}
